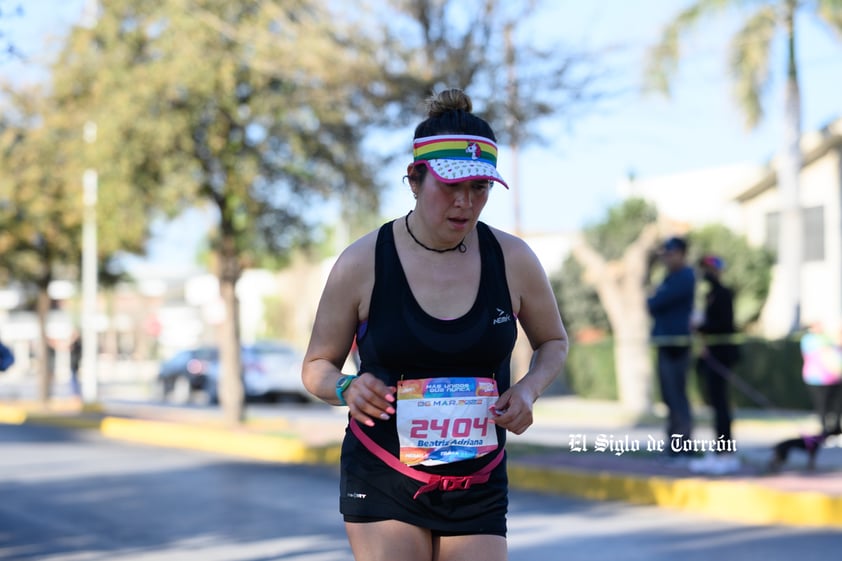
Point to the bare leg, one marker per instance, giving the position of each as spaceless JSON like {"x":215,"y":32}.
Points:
{"x":389,"y":540}
{"x":472,"y":548}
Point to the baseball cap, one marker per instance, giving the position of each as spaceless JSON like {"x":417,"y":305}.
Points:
{"x":712,"y":261}
{"x":675,"y":243}
{"x":453,"y":158}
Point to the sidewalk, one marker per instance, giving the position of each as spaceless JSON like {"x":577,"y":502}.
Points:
{"x":544,"y":459}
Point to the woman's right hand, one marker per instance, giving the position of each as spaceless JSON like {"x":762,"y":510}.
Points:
{"x":369,"y":399}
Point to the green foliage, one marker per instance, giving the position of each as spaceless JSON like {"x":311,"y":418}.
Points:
{"x":276,"y":322}
{"x":748,"y":270}
{"x":577,"y":301}
{"x":621,"y":227}
{"x":589,"y":371}
{"x":40,"y":195}
{"x":261,"y":108}
{"x":750,"y":50}
{"x":222,"y":103}
{"x":771,"y":368}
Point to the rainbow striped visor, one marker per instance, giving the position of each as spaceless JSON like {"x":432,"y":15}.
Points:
{"x":452,"y":158}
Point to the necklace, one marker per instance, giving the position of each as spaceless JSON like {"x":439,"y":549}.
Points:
{"x":460,"y":246}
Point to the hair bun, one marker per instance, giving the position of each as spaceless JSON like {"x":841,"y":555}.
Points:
{"x":445,"y":101}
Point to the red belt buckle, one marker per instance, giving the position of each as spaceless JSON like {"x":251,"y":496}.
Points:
{"x":453,"y":483}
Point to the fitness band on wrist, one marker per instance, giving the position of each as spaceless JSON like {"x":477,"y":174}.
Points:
{"x":341,"y":385}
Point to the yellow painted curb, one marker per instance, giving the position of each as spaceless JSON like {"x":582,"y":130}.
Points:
{"x":244,"y":444}
{"x":12,"y":415}
{"x":58,"y":413}
{"x":66,"y":421}
{"x":741,"y":501}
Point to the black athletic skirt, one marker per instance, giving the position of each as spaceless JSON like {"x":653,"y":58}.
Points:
{"x":371,"y":491}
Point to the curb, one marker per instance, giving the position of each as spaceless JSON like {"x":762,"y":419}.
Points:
{"x":243,"y":444}
{"x":86,"y":419}
{"x":735,"y":500}
{"x":234,"y":443}
{"x":12,"y":415}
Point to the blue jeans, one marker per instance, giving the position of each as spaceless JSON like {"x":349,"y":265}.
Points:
{"x":673,"y":365}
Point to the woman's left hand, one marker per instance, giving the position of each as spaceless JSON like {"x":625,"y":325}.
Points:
{"x":513,"y":410}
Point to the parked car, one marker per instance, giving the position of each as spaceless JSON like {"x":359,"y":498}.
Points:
{"x":188,"y":372}
{"x":271,"y":371}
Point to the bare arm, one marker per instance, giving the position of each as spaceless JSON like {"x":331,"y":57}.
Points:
{"x":343,"y":304}
{"x":535,"y":305}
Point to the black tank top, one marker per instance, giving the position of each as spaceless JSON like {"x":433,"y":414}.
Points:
{"x":401,"y":341}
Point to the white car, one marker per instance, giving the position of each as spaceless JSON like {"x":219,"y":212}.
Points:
{"x":272,"y":370}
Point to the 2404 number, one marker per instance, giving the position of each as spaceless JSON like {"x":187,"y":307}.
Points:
{"x":447,"y":428}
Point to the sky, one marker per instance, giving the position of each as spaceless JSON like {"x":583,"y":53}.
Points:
{"x":572,"y":181}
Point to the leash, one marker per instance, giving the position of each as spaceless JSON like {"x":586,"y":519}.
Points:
{"x":722,"y":370}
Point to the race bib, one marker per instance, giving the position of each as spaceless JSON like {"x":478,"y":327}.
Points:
{"x":445,"y":420}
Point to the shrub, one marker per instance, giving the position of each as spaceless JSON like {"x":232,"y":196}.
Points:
{"x":771,"y":368}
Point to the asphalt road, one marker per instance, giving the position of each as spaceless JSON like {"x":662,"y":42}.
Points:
{"x":75,"y":496}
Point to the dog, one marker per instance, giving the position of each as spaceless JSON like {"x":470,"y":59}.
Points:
{"x":810,"y":444}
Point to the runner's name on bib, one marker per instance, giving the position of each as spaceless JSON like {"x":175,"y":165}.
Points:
{"x":445,"y":420}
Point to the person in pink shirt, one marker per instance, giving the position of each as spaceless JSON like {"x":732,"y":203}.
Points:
{"x":822,"y":372}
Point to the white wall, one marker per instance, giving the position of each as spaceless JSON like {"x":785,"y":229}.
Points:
{"x":696,"y":197}
{"x":821,"y":281}
{"x":550,"y":248}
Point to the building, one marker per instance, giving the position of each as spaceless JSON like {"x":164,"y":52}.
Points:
{"x":821,"y":204}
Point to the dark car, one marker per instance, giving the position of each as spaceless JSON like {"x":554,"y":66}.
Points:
{"x":188,"y":373}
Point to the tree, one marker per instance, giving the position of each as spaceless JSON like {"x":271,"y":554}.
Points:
{"x":608,"y":275}
{"x":40,"y":214}
{"x":578,"y":301}
{"x":615,"y":257}
{"x":750,"y":60}
{"x":254,"y":108}
{"x":43,"y":156}
{"x":259,"y":109}
{"x":747,"y":272}
{"x":478,"y":45}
